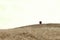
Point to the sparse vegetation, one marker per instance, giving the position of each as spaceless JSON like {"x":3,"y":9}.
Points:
{"x":34,"y":32}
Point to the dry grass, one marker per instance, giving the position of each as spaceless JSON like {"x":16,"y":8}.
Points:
{"x":32,"y":32}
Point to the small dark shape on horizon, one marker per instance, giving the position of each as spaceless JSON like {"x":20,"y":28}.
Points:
{"x":40,"y":22}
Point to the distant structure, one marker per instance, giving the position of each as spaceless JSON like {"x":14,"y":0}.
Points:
{"x":40,"y":22}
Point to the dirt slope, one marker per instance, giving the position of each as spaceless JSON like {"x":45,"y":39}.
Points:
{"x":32,"y":32}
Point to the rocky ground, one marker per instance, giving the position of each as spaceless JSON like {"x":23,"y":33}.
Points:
{"x":32,"y":32}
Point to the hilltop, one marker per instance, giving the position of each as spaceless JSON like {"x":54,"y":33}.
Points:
{"x":32,"y":32}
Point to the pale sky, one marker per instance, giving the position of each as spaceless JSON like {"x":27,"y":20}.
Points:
{"x":17,"y":13}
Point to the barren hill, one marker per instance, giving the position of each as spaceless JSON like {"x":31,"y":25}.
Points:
{"x":32,"y":32}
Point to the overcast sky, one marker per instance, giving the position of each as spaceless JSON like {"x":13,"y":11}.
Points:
{"x":17,"y":13}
